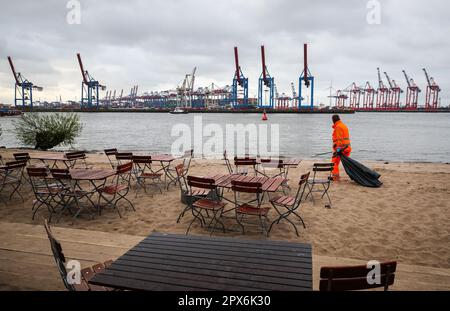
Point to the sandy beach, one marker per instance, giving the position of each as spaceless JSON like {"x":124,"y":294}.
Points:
{"x":405,"y":220}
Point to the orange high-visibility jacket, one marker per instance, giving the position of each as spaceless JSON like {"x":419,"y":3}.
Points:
{"x":341,"y":136}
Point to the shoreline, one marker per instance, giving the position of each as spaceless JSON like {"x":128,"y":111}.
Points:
{"x":219,"y":158}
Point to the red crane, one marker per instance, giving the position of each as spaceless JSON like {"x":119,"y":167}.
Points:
{"x":395,"y":93}
{"x":432,"y":93}
{"x":369,"y":96}
{"x":355,"y":96}
{"x":340,"y":99}
{"x":382,"y":93}
{"x":412,"y":93}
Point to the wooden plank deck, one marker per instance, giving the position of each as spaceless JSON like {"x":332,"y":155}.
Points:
{"x":170,"y":261}
{"x":26,"y":262}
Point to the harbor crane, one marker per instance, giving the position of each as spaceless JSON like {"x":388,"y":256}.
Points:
{"x":369,"y":96}
{"x":340,"y":99}
{"x":89,"y":87}
{"x":395,"y":93}
{"x":355,"y":96}
{"x":266,"y":85}
{"x":432,"y":93}
{"x":187,"y":89}
{"x":294,"y":96}
{"x":239,"y":91}
{"x":307,"y":78}
{"x":412,"y":93}
{"x":382,"y":93}
{"x":23,"y":94}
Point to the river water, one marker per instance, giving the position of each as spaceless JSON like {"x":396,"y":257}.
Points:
{"x":402,"y":137}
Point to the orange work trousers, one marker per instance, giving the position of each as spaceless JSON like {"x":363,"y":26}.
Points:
{"x":337,"y":160}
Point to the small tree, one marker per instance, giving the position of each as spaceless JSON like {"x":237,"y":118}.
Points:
{"x":45,"y":131}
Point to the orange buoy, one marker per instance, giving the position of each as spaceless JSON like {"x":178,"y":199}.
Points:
{"x":264,"y":117}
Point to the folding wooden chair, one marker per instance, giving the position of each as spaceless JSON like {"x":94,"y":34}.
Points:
{"x":46,"y":193}
{"x":356,"y":277}
{"x":203,"y":204}
{"x":290,"y":205}
{"x":71,"y":193}
{"x":250,"y":207}
{"x":119,"y":188}
{"x":322,"y":176}
{"x":75,"y":158}
{"x":23,"y":157}
{"x":186,"y":160}
{"x":111,"y":154}
{"x":188,"y":197}
{"x":12,"y":178}
{"x":143,"y":166}
{"x":85,"y":274}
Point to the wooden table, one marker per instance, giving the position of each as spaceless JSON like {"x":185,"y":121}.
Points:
{"x":91,"y":175}
{"x":165,"y":160}
{"x":51,"y":157}
{"x":169,"y":262}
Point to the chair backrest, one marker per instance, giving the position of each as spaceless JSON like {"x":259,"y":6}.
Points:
{"x":22,"y":156}
{"x":250,"y":162}
{"x":246,"y":187}
{"x":356,"y":277}
{"x":110,"y":152}
{"x":75,"y":155}
{"x":323,"y":168}
{"x":124,"y":156}
{"x":201,"y":182}
{"x":61,"y":174}
{"x":58,"y":255}
{"x":142,"y":159}
{"x":124,"y":168}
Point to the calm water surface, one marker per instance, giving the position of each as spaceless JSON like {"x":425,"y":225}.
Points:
{"x":375,"y":136}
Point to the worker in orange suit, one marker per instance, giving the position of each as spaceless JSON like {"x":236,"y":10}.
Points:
{"x":341,"y":143}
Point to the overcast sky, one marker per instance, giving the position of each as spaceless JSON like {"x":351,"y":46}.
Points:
{"x":155,"y":43}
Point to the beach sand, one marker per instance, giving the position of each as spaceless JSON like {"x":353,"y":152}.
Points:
{"x":407,"y":219}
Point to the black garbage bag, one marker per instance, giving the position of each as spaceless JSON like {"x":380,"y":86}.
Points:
{"x":359,"y":173}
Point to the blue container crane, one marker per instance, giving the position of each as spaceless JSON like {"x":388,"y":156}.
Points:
{"x":266,"y":84}
{"x":89,"y":88}
{"x":23,"y":94}
{"x":239,"y":91}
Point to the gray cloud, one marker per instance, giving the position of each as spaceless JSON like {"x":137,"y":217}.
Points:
{"x":154,"y":43}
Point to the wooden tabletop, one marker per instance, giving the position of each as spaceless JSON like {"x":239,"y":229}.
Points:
{"x":168,"y":262}
{"x":269,"y":184}
{"x":49,"y":156}
{"x":163,"y":157}
{"x":91,"y":174}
